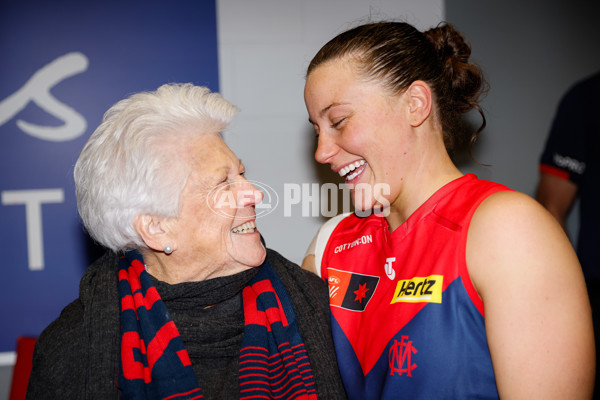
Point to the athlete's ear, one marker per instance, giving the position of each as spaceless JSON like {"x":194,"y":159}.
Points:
{"x":419,"y":102}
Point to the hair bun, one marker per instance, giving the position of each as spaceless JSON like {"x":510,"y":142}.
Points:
{"x":453,"y":52}
{"x":449,"y":44}
{"x":465,"y":83}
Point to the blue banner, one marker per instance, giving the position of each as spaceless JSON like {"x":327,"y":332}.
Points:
{"x":62,"y":65}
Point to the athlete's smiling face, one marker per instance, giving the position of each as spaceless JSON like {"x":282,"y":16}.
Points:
{"x":361,"y":130}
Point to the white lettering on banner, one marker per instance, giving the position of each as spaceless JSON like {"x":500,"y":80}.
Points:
{"x":33,"y":200}
{"x":37,"y":89}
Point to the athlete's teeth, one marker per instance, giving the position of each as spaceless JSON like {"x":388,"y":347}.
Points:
{"x":355,"y":174}
{"x":344,"y":171}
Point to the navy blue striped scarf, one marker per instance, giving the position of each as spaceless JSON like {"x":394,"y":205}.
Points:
{"x":155,"y":364}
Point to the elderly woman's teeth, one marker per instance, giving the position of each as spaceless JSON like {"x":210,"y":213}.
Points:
{"x":248,"y":227}
{"x":349,"y":168}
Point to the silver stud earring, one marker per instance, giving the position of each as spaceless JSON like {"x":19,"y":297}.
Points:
{"x":168,"y":249}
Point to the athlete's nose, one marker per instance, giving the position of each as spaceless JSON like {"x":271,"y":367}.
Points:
{"x":326,"y":149}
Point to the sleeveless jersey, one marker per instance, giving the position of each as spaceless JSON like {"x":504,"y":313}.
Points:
{"x":406,"y":319}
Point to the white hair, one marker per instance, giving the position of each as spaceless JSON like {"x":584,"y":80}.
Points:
{"x":127,"y":168}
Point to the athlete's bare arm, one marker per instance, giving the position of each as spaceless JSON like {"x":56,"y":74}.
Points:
{"x":308,"y":263}
{"x":537,"y":313}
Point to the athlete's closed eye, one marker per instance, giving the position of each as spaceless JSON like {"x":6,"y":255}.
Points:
{"x":338,"y":123}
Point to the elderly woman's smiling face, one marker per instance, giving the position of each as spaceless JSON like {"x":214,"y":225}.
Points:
{"x":216,"y":224}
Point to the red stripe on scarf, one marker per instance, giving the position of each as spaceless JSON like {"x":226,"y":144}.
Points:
{"x":282,"y":376}
{"x":138,"y":300}
{"x":265,"y":318}
{"x":299,"y":393}
{"x":131,"y":340}
{"x":185,"y":394}
{"x":159,"y":343}
{"x":133,"y":369}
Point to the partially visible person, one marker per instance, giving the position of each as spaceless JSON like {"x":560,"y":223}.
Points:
{"x":570,"y":169}
{"x":187,"y":303}
{"x":453,"y":287}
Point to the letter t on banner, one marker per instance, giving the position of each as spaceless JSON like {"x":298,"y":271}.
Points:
{"x":33,"y":200}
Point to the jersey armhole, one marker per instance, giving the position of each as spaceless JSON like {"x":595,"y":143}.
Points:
{"x":464,"y":269}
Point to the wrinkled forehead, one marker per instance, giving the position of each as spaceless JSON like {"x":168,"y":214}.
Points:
{"x":208,"y":155}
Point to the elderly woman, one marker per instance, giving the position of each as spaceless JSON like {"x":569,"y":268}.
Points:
{"x":188,"y":304}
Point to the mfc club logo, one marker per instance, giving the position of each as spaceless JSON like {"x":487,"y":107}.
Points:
{"x":400,"y":357}
{"x":223,"y":200}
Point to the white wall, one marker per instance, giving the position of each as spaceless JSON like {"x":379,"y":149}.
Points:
{"x":264,"y":49}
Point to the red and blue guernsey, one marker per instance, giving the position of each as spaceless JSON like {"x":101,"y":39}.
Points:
{"x":407,"y":321}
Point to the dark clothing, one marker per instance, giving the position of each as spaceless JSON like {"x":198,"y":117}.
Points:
{"x":78,"y":355}
{"x":573,"y":152}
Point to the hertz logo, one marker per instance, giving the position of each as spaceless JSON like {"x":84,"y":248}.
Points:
{"x":419,"y":290}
